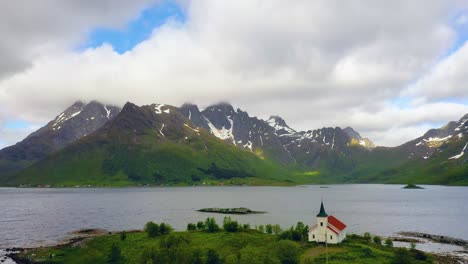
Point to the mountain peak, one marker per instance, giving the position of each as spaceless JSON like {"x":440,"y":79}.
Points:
{"x":280,"y":125}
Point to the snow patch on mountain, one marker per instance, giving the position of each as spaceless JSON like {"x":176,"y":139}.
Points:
{"x":223,"y":133}
{"x":461,"y":154}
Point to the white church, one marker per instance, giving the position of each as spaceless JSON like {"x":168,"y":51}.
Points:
{"x":328,"y":229}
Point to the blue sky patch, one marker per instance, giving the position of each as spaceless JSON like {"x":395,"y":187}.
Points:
{"x":16,"y":124}
{"x":136,"y":31}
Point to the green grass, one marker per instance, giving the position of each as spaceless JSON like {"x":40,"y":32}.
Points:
{"x":246,"y":246}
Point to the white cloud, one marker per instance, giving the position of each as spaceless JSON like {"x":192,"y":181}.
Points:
{"x":316,"y":63}
{"x":448,"y":79}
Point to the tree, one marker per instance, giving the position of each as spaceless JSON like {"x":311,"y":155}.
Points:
{"x":287,"y":251}
{"x":269,"y":229}
{"x":229,"y":225}
{"x":212,"y":257}
{"x":277,"y":229}
{"x":261,"y":228}
{"x":191,"y":227}
{"x":200,"y":225}
{"x":378,"y":240}
{"x":123,"y":236}
{"x":388,"y":242}
{"x":164,"y":229}
{"x":152,"y":229}
{"x":115,"y":255}
{"x":413,"y":246}
{"x":211,"y":225}
{"x":367,"y":236}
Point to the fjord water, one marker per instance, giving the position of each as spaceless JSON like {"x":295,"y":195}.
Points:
{"x":31,"y":217}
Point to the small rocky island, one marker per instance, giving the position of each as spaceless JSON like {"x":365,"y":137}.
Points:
{"x":240,"y":210}
{"x":412,"y":186}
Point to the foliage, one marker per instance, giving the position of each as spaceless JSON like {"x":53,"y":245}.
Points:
{"x":277,"y":229}
{"x":191,"y":227}
{"x":212,"y":257}
{"x":164,"y":229}
{"x":377,"y":240}
{"x":230,"y":225}
{"x":200,"y":225}
{"x":269,"y":229}
{"x":388,"y":242}
{"x":244,"y":246}
{"x":367,"y":236}
{"x":211,"y":226}
{"x":287,"y":252}
{"x":152,"y":229}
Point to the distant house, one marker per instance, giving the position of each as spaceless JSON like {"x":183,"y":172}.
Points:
{"x":328,"y":229}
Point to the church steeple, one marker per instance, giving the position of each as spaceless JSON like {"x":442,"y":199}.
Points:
{"x":322,"y":212}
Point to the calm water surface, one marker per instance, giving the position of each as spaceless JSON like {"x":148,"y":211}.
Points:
{"x":31,"y":217}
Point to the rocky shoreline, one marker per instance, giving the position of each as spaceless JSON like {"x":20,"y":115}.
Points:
{"x":437,"y":238}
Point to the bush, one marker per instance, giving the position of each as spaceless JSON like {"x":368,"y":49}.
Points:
{"x":200,"y":225}
{"x":367,"y":252}
{"x":261,"y":228}
{"x":287,"y":252}
{"x":212,"y":257}
{"x":152,"y":229}
{"x":277,"y":229}
{"x":413,"y":246}
{"x":367,"y":236}
{"x":123,"y":236}
{"x":388,"y":242}
{"x":164,"y":229}
{"x":246,"y":226}
{"x":229,"y":225}
{"x":378,"y":240}
{"x":211,"y":225}
{"x":402,"y":256}
{"x":115,"y":255}
{"x":191,"y":227}
{"x":269,"y":229}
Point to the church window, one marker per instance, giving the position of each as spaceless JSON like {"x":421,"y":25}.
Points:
{"x":331,"y":237}
{"x":321,"y":223}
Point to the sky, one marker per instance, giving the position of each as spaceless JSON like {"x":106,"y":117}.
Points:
{"x":389,"y":69}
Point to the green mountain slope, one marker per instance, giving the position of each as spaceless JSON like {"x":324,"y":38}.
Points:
{"x":148,"y":145}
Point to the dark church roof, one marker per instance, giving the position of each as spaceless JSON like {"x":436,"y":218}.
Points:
{"x":322,"y":212}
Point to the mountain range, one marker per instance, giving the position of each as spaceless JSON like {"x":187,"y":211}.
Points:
{"x":103,"y":145}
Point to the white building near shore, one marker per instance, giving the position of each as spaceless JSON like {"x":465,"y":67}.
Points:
{"x":328,"y":229}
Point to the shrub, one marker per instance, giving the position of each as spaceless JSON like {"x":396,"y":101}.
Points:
{"x":402,"y":256}
{"x":378,"y":240}
{"x":164,"y":229}
{"x":388,"y":242}
{"x":200,"y":225}
{"x":246,"y":226}
{"x":229,"y":225}
{"x":367,"y":236}
{"x":191,"y":227}
{"x":211,"y":225}
{"x":115,"y":255}
{"x":287,"y":252}
{"x":277,"y":229}
{"x":269,"y":229}
{"x":212,"y":257}
{"x":152,"y":229}
{"x":123,"y":236}
{"x":367,"y":252}
{"x":413,"y":246}
{"x":261,"y":228}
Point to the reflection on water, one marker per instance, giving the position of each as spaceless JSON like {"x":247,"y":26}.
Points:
{"x":30,"y":217}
